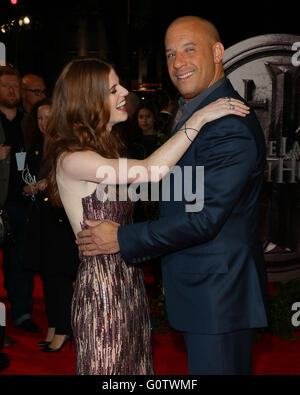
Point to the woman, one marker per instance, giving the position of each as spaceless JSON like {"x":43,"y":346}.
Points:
{"x":40,"y":113}
{"x":148,"y":138}
{"x":110,"y":308}
{"x":48,"y":227}
{"x":147,"y":125}
{"x":147,"y":131}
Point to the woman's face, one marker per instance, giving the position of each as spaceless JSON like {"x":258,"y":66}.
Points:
{"x":42,"y":117}
{"x":117,"y":99}
{"x":146,"y":120}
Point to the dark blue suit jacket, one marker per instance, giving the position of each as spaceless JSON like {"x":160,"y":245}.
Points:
{"x":212,"y":260}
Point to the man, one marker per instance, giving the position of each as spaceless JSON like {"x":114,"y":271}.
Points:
{"x":18,"y":283}
{"x":167,"y":108}
{"x":33,"y":90}
{"x":212,"y":264}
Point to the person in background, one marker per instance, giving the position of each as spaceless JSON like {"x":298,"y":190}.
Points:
{"x":145,"y":130}
{"x":56,"y":256}
{"x":167,"y":106}
{"x":125,"y":129}
{"x":18,"y":283}
{"x":132,"y":104}
{"x":33,"y":89}
{"x":147,"y":138}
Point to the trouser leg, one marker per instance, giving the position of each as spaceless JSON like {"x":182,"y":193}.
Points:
{"x":58,"y":292}
{"x":50,"y":299}
{"x":222,"y":354}
{"x":19,"y":283}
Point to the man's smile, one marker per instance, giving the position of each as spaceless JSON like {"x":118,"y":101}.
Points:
{"x":184,"y":76}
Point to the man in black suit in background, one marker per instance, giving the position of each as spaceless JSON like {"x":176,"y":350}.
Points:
{"x":18,"y":282}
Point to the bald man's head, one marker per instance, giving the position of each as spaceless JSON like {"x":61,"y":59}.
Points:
{"x":194,"y":55}
{"x":33,"y":89}
{"x":206,"y":26}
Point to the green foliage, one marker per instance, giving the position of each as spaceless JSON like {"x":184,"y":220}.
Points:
{"x":280,"y":305}
{"x":161,"y":138}
{"x":158,"y":312}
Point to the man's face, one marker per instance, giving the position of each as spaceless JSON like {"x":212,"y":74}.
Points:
{"x":33,"y":91}
{"x":190,"y":58}
{"x":9,"y":91}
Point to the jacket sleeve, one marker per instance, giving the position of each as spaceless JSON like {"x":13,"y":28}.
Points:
{"x":230,"y":160}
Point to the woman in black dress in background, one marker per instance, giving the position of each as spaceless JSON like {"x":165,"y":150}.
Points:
{"x":49,"y":245}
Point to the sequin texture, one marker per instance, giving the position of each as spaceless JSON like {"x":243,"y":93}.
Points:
{"x":110,"y":310}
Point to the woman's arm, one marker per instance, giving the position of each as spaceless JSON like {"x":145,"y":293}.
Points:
{"x":90,"y":166}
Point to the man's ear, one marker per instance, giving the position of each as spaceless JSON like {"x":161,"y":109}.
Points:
{"x":218,"y":51}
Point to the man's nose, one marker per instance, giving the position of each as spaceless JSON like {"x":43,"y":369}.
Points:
{"x":179,"y":61}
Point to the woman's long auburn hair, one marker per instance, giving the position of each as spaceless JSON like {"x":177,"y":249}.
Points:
{"x":79,"y":116}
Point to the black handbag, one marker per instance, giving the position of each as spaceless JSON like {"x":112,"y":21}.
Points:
{"x":5,"y":228}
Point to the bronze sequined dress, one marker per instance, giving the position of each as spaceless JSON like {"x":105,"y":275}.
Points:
{"x":110,"y":311}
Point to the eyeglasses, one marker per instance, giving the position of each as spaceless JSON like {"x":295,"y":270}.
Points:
{"x":36,"y":92}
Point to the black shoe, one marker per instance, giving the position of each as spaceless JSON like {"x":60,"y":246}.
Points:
{"x":43,"y":343}
{"x":49,"y":349}
{"x":29,"y":326}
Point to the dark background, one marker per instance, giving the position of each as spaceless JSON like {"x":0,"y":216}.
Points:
{"x":132,"y":28}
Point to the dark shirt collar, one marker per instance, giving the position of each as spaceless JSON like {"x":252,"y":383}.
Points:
{"x":18,"y":117}
{"x":189,"y":108}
